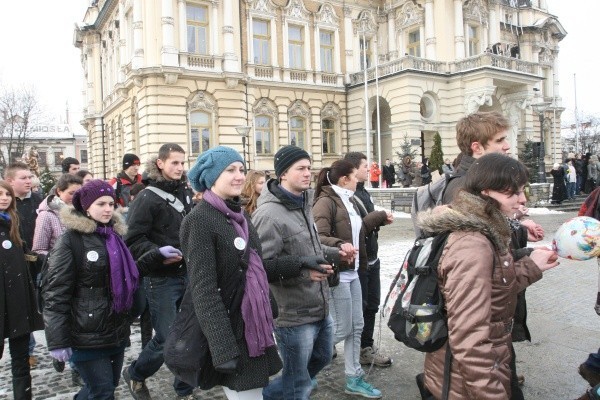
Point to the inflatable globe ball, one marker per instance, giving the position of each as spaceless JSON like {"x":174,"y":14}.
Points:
{"x":578,"y":239}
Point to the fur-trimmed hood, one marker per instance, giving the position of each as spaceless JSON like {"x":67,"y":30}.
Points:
{"x":467,"y":214}
{"x":73,"y":219}
{"x":153,"y":172}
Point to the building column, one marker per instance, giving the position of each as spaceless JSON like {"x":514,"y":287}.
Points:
{"x":181,"y":10}
{"x":429,"y":31}
{"x":169,"y":54}
{"x":89,"y":54}
{"x":493,"y":27}
{"x":122,"y":44}
{"x":214,"y":30}
{"x":348,"y":51}
{"x":555,"y":80}
{"x":230,"y":61}
{"x":138,"y":36}
{"x":459,"y":38}
{"x":392,"y":49}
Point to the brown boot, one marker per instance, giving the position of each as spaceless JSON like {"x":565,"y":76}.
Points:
{"x":589,"y":375}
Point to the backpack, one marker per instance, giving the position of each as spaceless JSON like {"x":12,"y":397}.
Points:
{"x":42,"y":275}
{"x":429,"y":196}
{"x":418,"y":318}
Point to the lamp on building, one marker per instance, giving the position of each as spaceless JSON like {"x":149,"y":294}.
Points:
{"x":243,"y":131}
{"x":539,"y":108}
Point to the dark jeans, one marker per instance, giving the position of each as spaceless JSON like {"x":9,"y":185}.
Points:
{"x":593,"y":361}
{"x":19,"y":362}
{"x":516,"y":392}
{"x":370,"y":284}
{"x":101,"y":377}
{"x":164,"y":296}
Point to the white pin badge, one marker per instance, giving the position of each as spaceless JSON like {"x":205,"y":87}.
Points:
{"x":7,"y":244}
{"x":239,"y":243}
{"x":92,"y":256}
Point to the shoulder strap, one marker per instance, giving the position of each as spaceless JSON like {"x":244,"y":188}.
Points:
{"x":447,"y":373}
{"x":172,"y":200}
{"x":333,"y":213}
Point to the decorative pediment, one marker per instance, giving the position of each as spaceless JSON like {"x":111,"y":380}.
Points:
{"x":327,"y":16}
{"x":409,"y":14}
{"x":299,"y":108}
{"x":265,"y":106}
{"x":295,"y":10}
{"x":263,"y":7}
{"x":203,"y":101}
{"x":365,"y":23}
{"x":476,"y":10}
{"x":331,"y":110}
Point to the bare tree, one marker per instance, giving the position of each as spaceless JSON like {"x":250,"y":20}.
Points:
{"x":19,"y":109}
{"x":588,"y":136}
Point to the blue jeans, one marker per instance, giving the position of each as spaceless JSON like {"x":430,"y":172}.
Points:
{"x":571,"y":186}
{"x":32,"y":343}
{"x":370,"y":285}
{"x":345,"y":306}
{"x":101,"y":377}
{"x":305,"y":350}
{"x":164,"y":296}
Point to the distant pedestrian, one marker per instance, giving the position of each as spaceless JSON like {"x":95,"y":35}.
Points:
{"x":255,"y":180}
{"x":87,"y":300}
{"x":85,"y":175}
{"x":425,"y":172}
{"x":129,"y":176}
{"x":389,"y":174}
{"x":559,"y":189}
{"x":70,"y":165}
{"x":374,"y":174}
{"x":448,"y":168}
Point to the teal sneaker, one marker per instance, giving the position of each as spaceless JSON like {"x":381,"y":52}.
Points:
{"x":357,"y":386}
{"x":314,"y":384}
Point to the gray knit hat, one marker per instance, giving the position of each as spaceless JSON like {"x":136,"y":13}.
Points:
{"x":286,"y":156}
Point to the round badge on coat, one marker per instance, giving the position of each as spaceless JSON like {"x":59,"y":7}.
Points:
{"x":239,"y":243}
{"x":92,"y":256}
{"x":7,"y":244}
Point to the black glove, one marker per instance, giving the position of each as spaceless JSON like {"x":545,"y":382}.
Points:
{"x":228,"y":367}
{"x":59,"y":366}
{"x":312,"y":262}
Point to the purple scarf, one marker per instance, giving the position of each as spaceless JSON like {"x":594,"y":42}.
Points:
{"x":124,"y":274}
{"x":256,"y":306}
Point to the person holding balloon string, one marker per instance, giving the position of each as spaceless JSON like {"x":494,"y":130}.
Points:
{"x":480,"y":291}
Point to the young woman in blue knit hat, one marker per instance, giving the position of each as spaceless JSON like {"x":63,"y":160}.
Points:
{"x":89,"y":290}
{"x":229,"y":285}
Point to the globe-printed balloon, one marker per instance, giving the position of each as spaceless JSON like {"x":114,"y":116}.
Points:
{"x":578,"y":239}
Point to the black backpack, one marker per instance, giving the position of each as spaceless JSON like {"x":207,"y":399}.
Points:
{"x":429,"y":196}
{"x":418,"y":318}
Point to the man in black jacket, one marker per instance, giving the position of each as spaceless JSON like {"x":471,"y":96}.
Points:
{"x":153,"y":238}
{"x":370,"y":281}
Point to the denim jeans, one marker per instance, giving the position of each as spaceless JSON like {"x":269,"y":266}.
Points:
{"x":32,"y":343}
{"x":164,"y":295}
{"x":370,"y":285}
{"x":305,"y":350}
{"x":345,"y":306}
{"x":571,"y":186}
{"x":593,"y":361}
{"x":101,"y":377}
{"x":19,"y":354}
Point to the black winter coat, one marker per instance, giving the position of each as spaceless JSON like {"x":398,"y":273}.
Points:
{"x":154,"y":223}
{"x":18,"y":313}
{"x":27,"y":209}
{"x":207,"y":238}
{"x":77,"y":299}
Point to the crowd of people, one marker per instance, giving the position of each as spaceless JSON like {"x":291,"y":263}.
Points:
{"x":577,"y":175}
{"x":278,"y":273}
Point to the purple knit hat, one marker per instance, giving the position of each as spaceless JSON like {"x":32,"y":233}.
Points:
{"x":90,"y":192}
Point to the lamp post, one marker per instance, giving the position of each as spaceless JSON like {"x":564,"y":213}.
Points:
{"x":243,"y":131}
{"x":540,"y":108}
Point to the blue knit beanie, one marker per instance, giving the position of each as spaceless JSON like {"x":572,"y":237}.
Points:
{"x":209,"y":166}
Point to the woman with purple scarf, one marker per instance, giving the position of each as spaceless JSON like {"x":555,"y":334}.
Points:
{"x":229,"y":285}
{"x":89,"y":289}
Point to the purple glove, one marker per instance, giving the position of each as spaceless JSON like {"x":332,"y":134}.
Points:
{"x":62,"y":355}
{"x":169,"y":252}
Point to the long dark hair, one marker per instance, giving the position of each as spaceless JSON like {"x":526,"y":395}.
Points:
{"x":14,"y":234}
{"x":331,"y":175}
{"x":497,"y":172}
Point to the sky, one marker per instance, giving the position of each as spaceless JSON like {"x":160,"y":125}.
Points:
{"x":37,"y":51}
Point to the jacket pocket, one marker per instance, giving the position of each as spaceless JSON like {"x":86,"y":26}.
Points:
{"x":91,"y":314}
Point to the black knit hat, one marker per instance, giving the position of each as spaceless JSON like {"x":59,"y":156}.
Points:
{"x":286,"y":156}
{"x":129,"y":160}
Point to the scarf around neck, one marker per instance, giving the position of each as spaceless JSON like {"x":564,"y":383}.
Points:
{"x":124,"y":275}
{"x":256,"y":307}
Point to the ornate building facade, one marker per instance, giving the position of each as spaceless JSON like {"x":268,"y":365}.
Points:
{"x":293,"y":71}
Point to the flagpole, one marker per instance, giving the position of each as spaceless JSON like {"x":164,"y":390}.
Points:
{"x":364,"y":45}
{"x":377,"y":107}
{"x":576,"y":116}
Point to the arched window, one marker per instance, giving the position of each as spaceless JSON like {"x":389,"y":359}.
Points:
{"x":200,"y":127}
{"x":298,"y":132}
{"x":329,"y":136}
{"x":263,"y":133}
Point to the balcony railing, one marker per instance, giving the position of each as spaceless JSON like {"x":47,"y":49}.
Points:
{"x":201,"y":61}
{"x":441,"y":67}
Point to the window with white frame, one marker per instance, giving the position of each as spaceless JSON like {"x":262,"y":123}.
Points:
{"x":329,"y":136}
{"x":473,"y":33}
{"x":296,"y":46}
{"x":327,"y":47}
{"x":414,"y":43}
{"x":261,"y":41}
{"x":365,"y":53}
{"x":263,"y":133}
{"x":197,"y":28}
{"x":200,"y":128}
{"x":297,"y":132}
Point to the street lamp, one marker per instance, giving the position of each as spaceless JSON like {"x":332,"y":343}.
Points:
{"x":539,"y":108}
{"x":243,"y":131}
